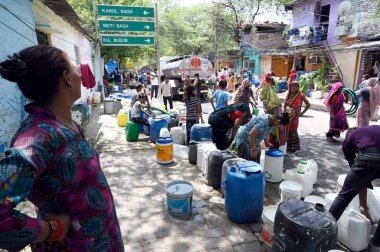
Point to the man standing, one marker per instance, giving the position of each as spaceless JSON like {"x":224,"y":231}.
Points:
{"x":166,"y":90}
{"x":198,"y":85}
{"x":154,"y":85}
{"x":361,"y":149}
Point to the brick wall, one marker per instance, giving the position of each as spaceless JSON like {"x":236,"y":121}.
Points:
{"x":268,"y":40}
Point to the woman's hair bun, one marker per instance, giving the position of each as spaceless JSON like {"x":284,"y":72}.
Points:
{"x":14,"y":69}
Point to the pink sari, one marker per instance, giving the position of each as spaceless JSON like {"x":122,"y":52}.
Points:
{"x":334,"y":103}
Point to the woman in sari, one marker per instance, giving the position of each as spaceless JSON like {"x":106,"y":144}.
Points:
{"x":293,"y":106}
{"x":334,"y":103}
{"x":369,"y":106}
{"x":272,"y":106}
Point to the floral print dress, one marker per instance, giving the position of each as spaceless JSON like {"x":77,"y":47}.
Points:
{"x":58,"y":171}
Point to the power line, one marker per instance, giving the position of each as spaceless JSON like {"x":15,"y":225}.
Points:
{"x":18,"y":33}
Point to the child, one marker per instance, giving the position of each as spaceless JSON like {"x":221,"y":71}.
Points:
{"x":139,"y":107}
{"x":221,"y":96}
{"x":193,"y":109}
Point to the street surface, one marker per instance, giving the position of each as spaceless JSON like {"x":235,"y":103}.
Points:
{"x":138,"y":185}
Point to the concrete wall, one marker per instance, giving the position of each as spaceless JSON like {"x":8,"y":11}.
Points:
{"x":367,"y":21}
{"x":263,"y":40}
{"x":303,"y":15}
{"x":11,"y":100}
{"x":65,"y":37}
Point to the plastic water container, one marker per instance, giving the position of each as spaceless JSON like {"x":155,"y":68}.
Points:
{"x":215,"y":166}
{"x":302,"y":226}
{"x":313,"y":166}
{"x":181,"y":151}
{"x":354,"y":230}
{"x":202,"y":148}
{"x":290,"y":175}
{"x":201,"y":132}
{"x":193,"y":151}
{"x":314,"y":199}
{"x":245,"y":186}
{"x":283,"y":148}
{"x":109,"y":106}
{"x":156,"y":124}
{"x":117,"y":106}
{"x":132,"y":131}
{"x":302,"y":165}
{"x":268,"y":224}
{"x":164,"y":132}
{"x":122,"y":118}
{"x":228,"y":163}
{"x":96,"y":100}
{"x":204,"y":167}
{"x":164,"y":150}
{"x":179,"y":197}
{"x":273,"y":164}
{"x":290,"y":190}
{"x":178,"y":135}
{"x":305,"y":178}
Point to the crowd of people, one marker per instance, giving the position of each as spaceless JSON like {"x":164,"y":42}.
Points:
{"x":49,"y":158}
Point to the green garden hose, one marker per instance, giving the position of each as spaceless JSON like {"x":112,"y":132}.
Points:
{"x":355,"y":101}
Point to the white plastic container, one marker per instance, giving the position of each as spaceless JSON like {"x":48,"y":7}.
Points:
{"x":108,"y":106}
{"x":164,"y":132}
{"x":302,"y":165}
{"x":283,"y":148}
{"x":204,"y":167}
{"x":181,"y":151}
{"x":313,"y":166}
{"x":330,"y":197}
{"x":290,"y":190}
{"x":317,"y":95}
{"x":178,"y":135}
{"x":373,"y":206}
{"x":305,"y":178}
{"x":269,"y":213}
{"x":354,"y":230}
{"x":273,"y":165}
{"x":202,"y":147}
{"x":315,"y":200}
{"x":376,"y":193}
{"x":290,"y":175}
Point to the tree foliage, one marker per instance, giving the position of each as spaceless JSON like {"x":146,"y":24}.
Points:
{"x":232,"y":15}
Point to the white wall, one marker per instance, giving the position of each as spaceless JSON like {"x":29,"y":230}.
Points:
{"x":11,"y":99}
{"x":65,"y":37}
{"x":347,"y":63}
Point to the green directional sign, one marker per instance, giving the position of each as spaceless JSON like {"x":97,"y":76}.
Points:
{"x":124,"y":40}
{"x":126,"y":26}
{"x":125,"y":11}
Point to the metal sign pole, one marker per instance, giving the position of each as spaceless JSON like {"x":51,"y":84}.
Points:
{"x":157,"y":44}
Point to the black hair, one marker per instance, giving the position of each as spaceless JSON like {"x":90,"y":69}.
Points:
{"x":190,"y":91}
{"x":139,"y":87}
{"x":142,"y":95}
{"x":284,"y":118}
{"x":36,"y":70}
{"x":223,"y":84}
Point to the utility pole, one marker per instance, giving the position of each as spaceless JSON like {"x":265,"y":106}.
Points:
{"x":157,"y":43}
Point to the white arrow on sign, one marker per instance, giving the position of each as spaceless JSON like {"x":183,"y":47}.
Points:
{"x":147,"y":27}
{"x":147,"y":40}
{"x":146,"y":13}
